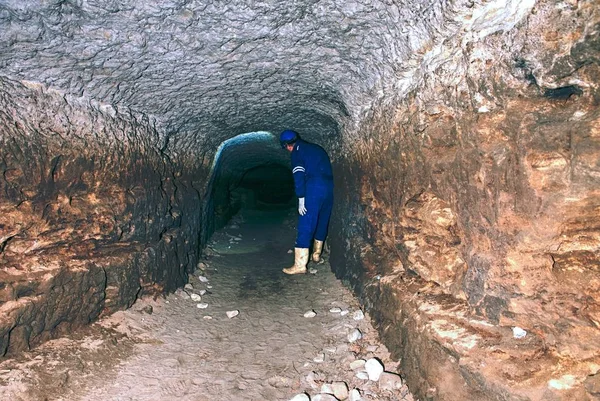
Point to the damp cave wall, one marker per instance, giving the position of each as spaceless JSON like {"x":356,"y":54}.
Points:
{"x":92,"y":213}
{"x":474,"y":206}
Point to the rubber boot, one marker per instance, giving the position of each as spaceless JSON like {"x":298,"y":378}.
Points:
{"x":317,"y":250}
{"x":300,"y":261}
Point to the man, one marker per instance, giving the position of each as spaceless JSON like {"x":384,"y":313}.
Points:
{"x":313,"y":181}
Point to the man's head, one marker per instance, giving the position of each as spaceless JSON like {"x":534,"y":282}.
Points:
{"x":287,"y":139}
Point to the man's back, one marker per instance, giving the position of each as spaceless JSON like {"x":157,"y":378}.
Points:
{"x":313,"y":159}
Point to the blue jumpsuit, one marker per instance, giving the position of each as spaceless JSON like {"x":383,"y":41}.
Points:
{"x":313,"y":180}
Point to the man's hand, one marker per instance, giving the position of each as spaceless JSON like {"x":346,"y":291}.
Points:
{"x":301,"y":208}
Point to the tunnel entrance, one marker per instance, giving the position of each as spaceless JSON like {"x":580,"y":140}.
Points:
{"x":250,"y":171}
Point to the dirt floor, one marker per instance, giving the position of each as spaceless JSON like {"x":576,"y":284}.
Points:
{"x":178,"y":348}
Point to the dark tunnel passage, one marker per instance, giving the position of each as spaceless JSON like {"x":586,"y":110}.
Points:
{"x":250,"y":171}
{"x":270,"y":185}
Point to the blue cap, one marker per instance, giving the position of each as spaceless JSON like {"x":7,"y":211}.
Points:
{"x":287,"y":137}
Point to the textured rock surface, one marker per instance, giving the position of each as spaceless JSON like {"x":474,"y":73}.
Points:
{"x":92,"y":214}
{"x":488,"y":218}
{"x":467,"y":166}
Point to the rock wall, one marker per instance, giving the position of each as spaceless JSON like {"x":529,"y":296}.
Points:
{"x":475,"y":204}
{"x":92,"y":213}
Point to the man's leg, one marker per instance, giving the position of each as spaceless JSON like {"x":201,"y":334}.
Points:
{"x":322,"y":223}
{"x":322,"y":226}
{"x":306,"y":229}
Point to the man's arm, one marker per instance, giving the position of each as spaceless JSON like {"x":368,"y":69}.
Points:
{"x":299,"y":181}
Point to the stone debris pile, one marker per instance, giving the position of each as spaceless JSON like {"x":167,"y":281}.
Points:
{"x":365,"y":377}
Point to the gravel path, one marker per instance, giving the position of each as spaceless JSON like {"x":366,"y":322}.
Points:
{"x":171,"y":349}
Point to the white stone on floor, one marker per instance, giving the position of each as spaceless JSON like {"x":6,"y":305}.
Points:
{"x":195,"y":297}
{"x":335,"y":310}
{"x":203,"y":279}
{"x":202,"y":305}
{"x":354,"y":395}
{"x":310,"y":313}
{"x":358,"y":315}
{"x":374,"y":369}
{"x":232,"y":313}
{"x":300,"y":397}
{"x":354,"y":335}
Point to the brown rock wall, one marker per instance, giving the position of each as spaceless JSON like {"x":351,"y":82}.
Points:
{"x":483,"y":195}
{"x":92,"y":213}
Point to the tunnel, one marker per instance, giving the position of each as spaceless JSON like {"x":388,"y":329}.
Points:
{"x":139,"y":150}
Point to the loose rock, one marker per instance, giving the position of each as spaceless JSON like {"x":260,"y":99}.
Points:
{"x":390,"y":381}
{"x":335,"y":310}
{"x":203,"y":279}
{"x":355,"y":335}
{"x":519,"y":333}
{"x":202,"y":306}
{"x":339,"y":389}
{"x":358,"y":364}
{"x":300,"y":397}
{"x":310,"y":313}
{"x":354,"y":395}
{"x":195,"y":297}
{"x":374,"y":369}
{"x":188,"y":286}
{"x":232,"y":313}
{"x":358,"y":315}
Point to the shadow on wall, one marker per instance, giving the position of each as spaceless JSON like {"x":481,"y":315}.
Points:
{"x":249,"y":171}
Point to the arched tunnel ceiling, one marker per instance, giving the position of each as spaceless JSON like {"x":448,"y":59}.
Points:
{"x":247,"y":151}
{"x":221,"y":68}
